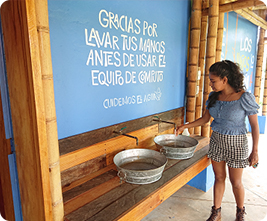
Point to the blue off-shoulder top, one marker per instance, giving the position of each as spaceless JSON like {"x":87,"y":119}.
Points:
{"x":229,"y":116}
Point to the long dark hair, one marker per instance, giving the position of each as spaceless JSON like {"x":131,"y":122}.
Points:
{"x":233,"y":73}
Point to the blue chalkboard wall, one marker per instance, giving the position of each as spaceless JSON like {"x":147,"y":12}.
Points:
{"x":240,"y":45}
{"x":114,"y":61}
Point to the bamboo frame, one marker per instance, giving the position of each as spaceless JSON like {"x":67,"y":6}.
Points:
{"x":258,"y":76}
{"x":51,"y":123}
{"x":193,"y":61}
{"x":210,"y":55}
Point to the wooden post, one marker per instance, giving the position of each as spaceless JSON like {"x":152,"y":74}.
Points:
{"x":28,"y":111}
{"x":210,"y":55}
{"x":193,"y":61}
{"x":259,"y":65}
{"x":51,"y":123}
{"x":29,"y":70}
{"x":201,"y":65}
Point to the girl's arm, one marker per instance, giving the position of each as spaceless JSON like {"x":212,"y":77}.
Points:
{"x":200,"y":121}
{"x":255,"y":131}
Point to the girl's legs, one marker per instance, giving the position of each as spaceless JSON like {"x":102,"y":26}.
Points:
{"x":235,"y":175}
{"x":219,"y":169}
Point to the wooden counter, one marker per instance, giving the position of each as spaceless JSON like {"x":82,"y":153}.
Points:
{"x":102,"y":196}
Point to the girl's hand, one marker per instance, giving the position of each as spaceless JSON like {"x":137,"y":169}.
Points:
{"x":179,"y":129}
{"x":253,"y":158}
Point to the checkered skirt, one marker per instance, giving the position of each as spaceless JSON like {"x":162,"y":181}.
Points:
{"x":233,"y":149}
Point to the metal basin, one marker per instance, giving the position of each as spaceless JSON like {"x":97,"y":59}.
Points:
{"x":140,"y":166}
{"x":176,"y":147}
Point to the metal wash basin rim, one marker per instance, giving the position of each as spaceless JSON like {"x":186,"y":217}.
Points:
{"x":137,"y":157}
{"x":118,"y":163}
{"x":176,"y":147}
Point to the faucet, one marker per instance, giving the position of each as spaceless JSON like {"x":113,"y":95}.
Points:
{"x":127,"y":135}
{"x":163,"y":121}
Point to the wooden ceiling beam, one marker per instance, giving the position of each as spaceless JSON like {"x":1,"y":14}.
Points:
{"x":233,"y":6}
{"x":252,"y":17}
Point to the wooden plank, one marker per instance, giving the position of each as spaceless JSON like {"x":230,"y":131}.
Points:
{"x":111,"y":147}
{"x":78,"y":190}
{"x":88,"y":177}
{"x":101,"y":202}
{"x":76,"y":142}
{"x":90,"y":195}
{"x":133,"y":205}
{"x":79,"y":171}
{"x":27,"y":107}
{"x":106,"y":147}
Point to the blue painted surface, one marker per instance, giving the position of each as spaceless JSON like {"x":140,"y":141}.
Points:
{"x":240,"y":45}
{"x":204,"y":180}
{"x":15,"y":186}
{"x":4,"y":90}
{"x":262,"y":124}
{"x":90,"y":94}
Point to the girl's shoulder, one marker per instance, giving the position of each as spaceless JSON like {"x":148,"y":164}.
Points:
{"x":247,"y":96}
{"x":248,"y":101}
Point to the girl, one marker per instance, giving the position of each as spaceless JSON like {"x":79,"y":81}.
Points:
{"x":229,"y":104}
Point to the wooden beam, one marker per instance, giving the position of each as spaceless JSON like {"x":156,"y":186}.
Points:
{"x":235,"y":6}
{"x":106,"y":147}
{"x":79,"y":141}
{"x":252,"y":17}
{"x":27,"y":107}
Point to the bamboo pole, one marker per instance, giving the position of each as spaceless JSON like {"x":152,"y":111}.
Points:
{"x":210,"y":54}
{"x":193,"y":61}
{"x":232,"y":6}
{"x":201,"y":65}
{"x":258,"y":75}
{"x":219,"y":37}
{"x":264,"y":103}
{"x":219,"y":42}
{"x":50,"y":112}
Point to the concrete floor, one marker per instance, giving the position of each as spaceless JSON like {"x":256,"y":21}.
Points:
{"x":191,"y":204}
